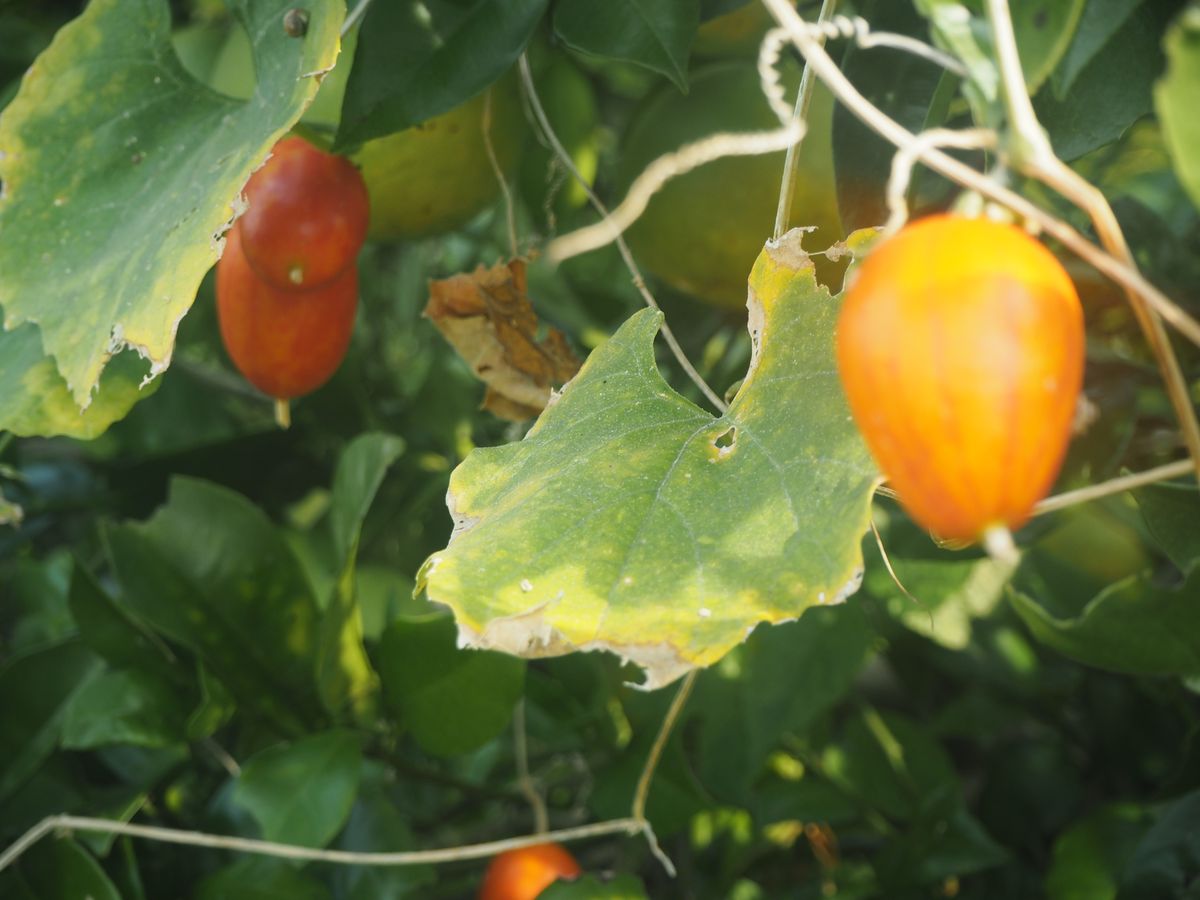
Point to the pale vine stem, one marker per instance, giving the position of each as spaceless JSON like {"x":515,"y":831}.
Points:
{"x":510,"y":213}
{"x":1032,"y":152}
{"x":827,"y":70}
{"x":639,"y":282}
{"x":355,"y":16}
{"x":67,"y":824}
{"x":906,"y":157}
{"x":1113,"y":486}
{"x":787,"y":185}
{"x":541,"y":822}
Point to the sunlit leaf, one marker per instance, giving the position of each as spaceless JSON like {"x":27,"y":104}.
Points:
{"x":633,"y":521}
{"x":1175,"y":100}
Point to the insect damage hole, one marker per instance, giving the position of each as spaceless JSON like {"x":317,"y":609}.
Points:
{"x":724,"y":443}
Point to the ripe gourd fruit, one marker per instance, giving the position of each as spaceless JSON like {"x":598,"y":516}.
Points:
{"x":307,"y":216}
{"x":703,"y":231}
{"x":960,"y":346}
{"x":286,"y":342}
{"x":436,"y":176}
{"x":524,"y":873}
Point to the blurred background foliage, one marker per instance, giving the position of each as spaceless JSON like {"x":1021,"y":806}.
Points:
{"x":207,"y":622}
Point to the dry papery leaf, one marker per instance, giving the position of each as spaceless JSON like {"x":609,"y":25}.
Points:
{"x":486,"y":316}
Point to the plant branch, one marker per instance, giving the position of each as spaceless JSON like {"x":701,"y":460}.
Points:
{"x":288,"y":851}
{"x":355,"y":15}
{"x":1031,"y":151}
{"x":639,"y":282}
{"x":660,"y":743}
{"x":510,"y":215}
{"x":826,"y":69}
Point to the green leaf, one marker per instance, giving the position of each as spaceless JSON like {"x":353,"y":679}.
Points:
{"x":894,"y":764}
{"x":1090,"y":856}
{"x":114,"y":633}
{"x":212,"y":573}
{"x":216,"y":706}
{"x":452,"y":700}
{"x":656,"y":34}
{"x":302,"y":792}
{"x":1100,"y":21}
{"x":345,"y":678}
{"x":960,"y":33}
{"x":1166,"y":864}
{"x":630,"y":520}
{"x":1133,"y":626}
{"x":1044,"y":32}
{"x":782,"y":680}
{"x":589,"y":887}
{"x":35,"y":689}
{"x":59,"y":869}
{"x":34,"y":399}
{"x":1171,"y":512}
{"x":120,"y":171}
{"x":377,"y":825}
{"x":359,"y":473}
{"x":950,"y":593}
{"x":1175,"y":100}
{"x":1112,"y":92}
{"x":416,"y":60}
{"x":260,"y":879}
{"x":126,"y":706}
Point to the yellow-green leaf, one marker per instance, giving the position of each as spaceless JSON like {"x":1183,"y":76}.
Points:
{"x":630,"y":520}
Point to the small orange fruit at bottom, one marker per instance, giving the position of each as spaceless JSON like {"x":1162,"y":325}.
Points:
{"x":286,"y":343}
{"x":960,"y":345}
{"x":524,"y":873}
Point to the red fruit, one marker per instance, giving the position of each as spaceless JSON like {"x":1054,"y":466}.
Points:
{"x":307,"y":217}
{"x":286,"y":342}
{"x":523,"y":874}
{"x":961,"y":349}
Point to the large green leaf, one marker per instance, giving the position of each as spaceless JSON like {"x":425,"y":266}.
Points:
{"x":783,"y":679}
{"x":1089,"y":857}
{"x":656,"y":34}
{"x":416,"y":60}
{"x":1113,"y":91}
{"x":630,"y":520}
{"x":212,"y":573}
{"x":1166,"y":864}
{"x":1134,"y":626}
{"x":258,"y":878}
{"x":345,"y":678}
{"x":589,"y":887}
{"x":35,"y":689}
{"x":1171,"y":512}
{"x":120,"y":172}
{"x":451,"y":700}
{"x":123,"y":706}
{"x":376,"y":824}
{"x":301,"y":793}
{"x":1101,"y":19}
{"x":58,"y":869}
{"x":1175,"y":99}
{"x":34,"y":399}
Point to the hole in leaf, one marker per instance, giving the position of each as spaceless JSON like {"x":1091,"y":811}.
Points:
{"x":724,"y":443}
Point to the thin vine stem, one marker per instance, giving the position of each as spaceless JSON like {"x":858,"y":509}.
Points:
{"x":787,"y":186}
{"x":1113,"y":486}
{"x":1031,"y":150}
{"x":639,"y":282}
{"x":660,"y":742}
{"x":541,"y":821}
{"x":510,"y":212}
{"x":354,"y":16}
{"x":69,"y":823}
{"x":874,"y":118}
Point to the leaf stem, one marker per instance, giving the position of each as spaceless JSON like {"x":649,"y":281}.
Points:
{"x":355,"y":15}
{"x":660,"y":743}
{"x":799,"y":116}
{"x":639,"y":282}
